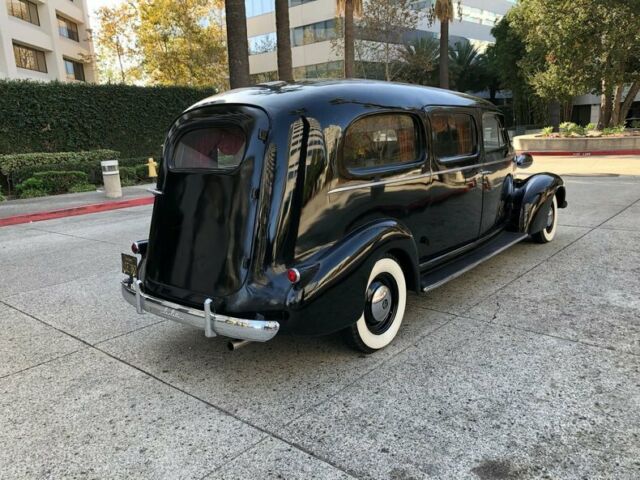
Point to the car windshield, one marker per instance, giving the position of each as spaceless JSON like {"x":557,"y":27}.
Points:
{"x":210,"y":148}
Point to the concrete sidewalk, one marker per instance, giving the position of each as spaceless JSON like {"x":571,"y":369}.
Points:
{"x":68,"y":200}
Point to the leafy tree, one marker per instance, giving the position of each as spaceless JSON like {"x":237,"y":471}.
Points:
{"x":285,"y":65}
{"x":237,"y":43}
{"x":350,"y":9}
{"x":115,"y":38}
{"x":504,"y":57}
{"x":588,"y":45}
{"x":382,"y":28}
{"x":181,"y":42}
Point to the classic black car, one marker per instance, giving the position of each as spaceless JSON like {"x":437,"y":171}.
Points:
{"x":312,"y":208}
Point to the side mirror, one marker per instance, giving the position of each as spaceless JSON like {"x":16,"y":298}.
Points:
{"x":524,"y":160}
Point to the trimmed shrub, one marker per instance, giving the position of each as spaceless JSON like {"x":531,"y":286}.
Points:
{"x":82,"y":187}
{"x":60,"y":182}
{"x":51,"y":183}
{"x":32,"y":193}
{"x":66,"y":117}
{"x":19,"y":167}
{"x":142,"y":173}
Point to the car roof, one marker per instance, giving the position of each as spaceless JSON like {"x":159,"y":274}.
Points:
{"x":276,"y":97}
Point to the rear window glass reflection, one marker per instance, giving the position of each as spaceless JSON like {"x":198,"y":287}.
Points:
{"x":210,"y":149}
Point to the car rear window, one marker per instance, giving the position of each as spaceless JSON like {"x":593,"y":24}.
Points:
{"x":380,"y":141}
{"x":454,"y":135}
{"x":211,"y":148}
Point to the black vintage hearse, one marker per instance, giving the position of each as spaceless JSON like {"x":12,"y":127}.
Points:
{"x":312,"y":208}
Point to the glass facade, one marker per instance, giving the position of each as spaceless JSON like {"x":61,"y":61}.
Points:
{"x":319,"y":70}
{"x":313,"y":33}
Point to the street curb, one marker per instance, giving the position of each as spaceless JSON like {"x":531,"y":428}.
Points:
{"x":596,"y":153}
{"x":74,"y":211}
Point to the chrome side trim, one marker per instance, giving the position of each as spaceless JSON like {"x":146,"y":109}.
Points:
{"x":414,"y":177}
{"x":212,"y":323}
{"x":155,"y":191}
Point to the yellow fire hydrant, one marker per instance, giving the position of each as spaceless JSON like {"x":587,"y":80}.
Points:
{"x":152,"y":168}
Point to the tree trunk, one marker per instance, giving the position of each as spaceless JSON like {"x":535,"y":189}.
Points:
{"x":285,"y":65}
{"x":617,"y":104}
{"x":444,"y":53}
{"x":349,"y":46}
{"x":628,"y":101}
{"x":605,"y":105}
{"x":237,"y":44}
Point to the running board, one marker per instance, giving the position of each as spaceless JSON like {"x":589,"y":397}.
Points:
{"x":456,"y":267}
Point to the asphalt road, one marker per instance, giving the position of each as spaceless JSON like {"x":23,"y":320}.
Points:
{"x":526,"y":367}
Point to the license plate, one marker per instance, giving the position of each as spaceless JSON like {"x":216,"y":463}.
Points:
{"x":129,"y":265}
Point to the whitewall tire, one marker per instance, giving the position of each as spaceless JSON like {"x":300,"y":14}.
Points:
{"x":548,"y":233}
{"x":385,"y":303}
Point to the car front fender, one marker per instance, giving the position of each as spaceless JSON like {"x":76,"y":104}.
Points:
{"x":531,"y":200}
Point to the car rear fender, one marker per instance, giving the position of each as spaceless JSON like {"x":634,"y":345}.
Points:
{"x":330,"y":293}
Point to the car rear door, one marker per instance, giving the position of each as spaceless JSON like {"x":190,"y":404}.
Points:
{"x":203,"y":222}
{"x":455,"y":211}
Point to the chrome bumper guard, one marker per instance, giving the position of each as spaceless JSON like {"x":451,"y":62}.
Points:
{"x":212,"y":323}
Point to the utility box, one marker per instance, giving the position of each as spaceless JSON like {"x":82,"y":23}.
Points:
{"x":111,"y":178}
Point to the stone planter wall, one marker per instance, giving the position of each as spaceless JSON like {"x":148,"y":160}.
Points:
{"x":534,"y":144}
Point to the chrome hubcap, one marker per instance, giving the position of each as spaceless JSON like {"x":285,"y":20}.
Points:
{"x":381,"y":303}
{"x":550,"y":218}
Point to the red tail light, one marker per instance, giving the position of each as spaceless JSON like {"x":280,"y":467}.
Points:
{"x":293,"y":275}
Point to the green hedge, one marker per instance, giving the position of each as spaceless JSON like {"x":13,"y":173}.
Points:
{"x":65,"y":117}
{"x":53,"y":183}
{"x":19,"y":167}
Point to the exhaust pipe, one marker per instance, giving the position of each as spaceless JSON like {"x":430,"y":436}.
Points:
{"x":236,"y":344}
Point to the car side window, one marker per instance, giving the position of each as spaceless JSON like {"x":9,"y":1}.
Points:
{"x":378,"y":141}
{"x":454,"y":135}
{"x":493,"y":137}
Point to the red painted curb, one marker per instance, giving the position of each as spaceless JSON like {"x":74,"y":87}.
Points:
{"x":582,"y":154}
{"x":71,"y":212}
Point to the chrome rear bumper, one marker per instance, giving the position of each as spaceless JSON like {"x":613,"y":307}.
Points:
{"x":212,"y":323}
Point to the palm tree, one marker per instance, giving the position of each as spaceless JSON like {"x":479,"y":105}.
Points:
{"x":285,"y":66}
{"x":237,"y":44}
{"x":350,"y":9}
{"x":467,"y":67}
{"x":420,"y":61}
{"x":444,"y":12}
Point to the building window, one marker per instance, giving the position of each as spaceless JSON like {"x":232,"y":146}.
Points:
{"x":262,"y":43}
{"x":74,"y":70}
{"x":454,"y":135}
{"x":380,"y":141}
{"x":253,"y":8}
{"x":319,"y":70}
{"x":29,"y":58}
{"x":68,"y":29}
{"x":313,"y":33}
{"x":24,"y":10}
